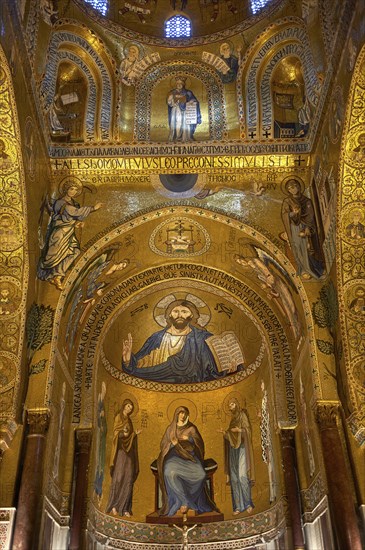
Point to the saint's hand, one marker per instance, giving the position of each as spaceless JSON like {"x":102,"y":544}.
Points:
{"x":98,"y":205}
{"x":127,"y":349}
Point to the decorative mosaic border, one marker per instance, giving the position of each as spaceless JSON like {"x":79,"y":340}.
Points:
{"x":14,"y":262}
{"x":62,"y":520}
{"x":57,"y":52}
{"x":267,"y":523}
{"x":314,"y":494}
{"x":59,"y":500}
{"x":351,"y":259}
{"x":322,"y":506}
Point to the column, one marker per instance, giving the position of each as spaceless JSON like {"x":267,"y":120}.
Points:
{"x":30,"y":493}
{"x":82,"y":457}
{"x":291,"y":487}
{"x":339,"y":484}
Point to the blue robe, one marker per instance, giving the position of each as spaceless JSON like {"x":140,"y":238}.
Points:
{"x":193,"y":363}
{"x":231,"y":75}
{"x":180,"y":468}
{"x":184,"y":131}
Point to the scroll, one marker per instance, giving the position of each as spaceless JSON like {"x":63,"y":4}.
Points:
{"x":216,"y":62}
{"x":191,"y":115}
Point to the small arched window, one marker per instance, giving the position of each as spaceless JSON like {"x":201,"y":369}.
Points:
{"x":257,"y":5}
{"x":177,"y":26}
{"x":99,"y":5}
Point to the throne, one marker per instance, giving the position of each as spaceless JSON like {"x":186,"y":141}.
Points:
{"x":210,"y":467}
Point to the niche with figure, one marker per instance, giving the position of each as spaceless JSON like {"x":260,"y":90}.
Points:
{"x":67,"y":112}
{"x":292,"y":110}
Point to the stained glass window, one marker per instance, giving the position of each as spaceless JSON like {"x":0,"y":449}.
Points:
{"x":100,"y":5}
{"x":178,"y":26}
{"x":257,"y":5}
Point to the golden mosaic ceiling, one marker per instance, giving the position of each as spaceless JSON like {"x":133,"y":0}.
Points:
{"x":209,"y":18}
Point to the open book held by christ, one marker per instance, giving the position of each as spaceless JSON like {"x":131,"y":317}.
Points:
{"x":227,"y":351}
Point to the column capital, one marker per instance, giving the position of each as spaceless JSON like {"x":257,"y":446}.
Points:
{"x":38,"y":421}
{"x":327,"y":414}
{"x":83,"y":439}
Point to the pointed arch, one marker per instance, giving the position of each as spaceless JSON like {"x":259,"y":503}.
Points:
{"x":350,"y":245}
{"x":68,"y":44}
{"x":14,"y":261}
{"x":287,"y":37}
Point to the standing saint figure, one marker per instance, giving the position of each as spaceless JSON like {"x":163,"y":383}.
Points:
{"x":183,"y":112}
{"x":304,"y":118}
{"x":238,"y":458}
{"x":180,"y":468}
{"x":61,"y":246}
{"x":266,"y":442}
{"x":301,"y":231}
{"x":100,"y":442}
{"x":124,"y":465}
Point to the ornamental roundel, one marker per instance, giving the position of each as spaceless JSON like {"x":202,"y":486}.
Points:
{"x":355,"y":147}
{"x":179,"y":237}
{"x":353,"y":224}
{"x":355,"y":300}
{"x":10,"y":297}
{"x":10,"y":230}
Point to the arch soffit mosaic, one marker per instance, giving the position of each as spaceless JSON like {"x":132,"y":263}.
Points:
{"x":350,"y":264}
{"x":14,"y":263}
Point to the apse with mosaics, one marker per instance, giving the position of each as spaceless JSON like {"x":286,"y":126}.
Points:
{"x":182,"y":290}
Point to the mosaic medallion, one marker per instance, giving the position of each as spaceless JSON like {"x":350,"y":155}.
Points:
{"x":179,"y":237}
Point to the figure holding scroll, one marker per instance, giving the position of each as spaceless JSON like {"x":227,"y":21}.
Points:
{"x":183,"y":111}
